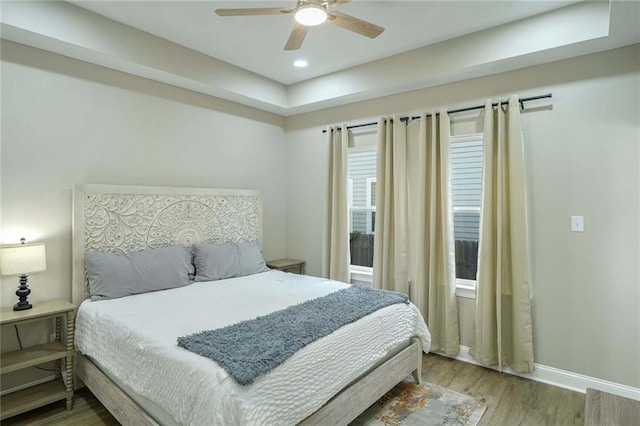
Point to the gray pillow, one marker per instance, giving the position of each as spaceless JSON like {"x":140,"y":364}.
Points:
{"x":227,"y":260}
{"x":251,"y":260}
{"x":113,"y":275}
{"x":215,"y":261}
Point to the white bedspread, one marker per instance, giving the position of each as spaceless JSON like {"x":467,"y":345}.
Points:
{"x":134,"y":338}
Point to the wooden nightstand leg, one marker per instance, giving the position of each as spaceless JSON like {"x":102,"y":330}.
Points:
{"x":70,"y":336}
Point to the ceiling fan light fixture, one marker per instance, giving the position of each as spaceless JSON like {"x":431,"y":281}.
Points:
{"x":310,"y":15}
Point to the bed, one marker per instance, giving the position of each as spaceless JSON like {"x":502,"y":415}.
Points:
{"x":126,"y":351}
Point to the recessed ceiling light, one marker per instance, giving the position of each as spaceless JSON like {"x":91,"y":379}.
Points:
{"x":300,"y":63}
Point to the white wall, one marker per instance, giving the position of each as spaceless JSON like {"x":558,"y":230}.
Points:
{"x":582,"y":154}
{"x":66,"y":122}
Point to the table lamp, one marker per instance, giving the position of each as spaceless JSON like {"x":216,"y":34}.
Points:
{"x":22,"y":259}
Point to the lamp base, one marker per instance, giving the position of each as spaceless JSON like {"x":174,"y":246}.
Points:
{"x":22,"y":293}
{"x":22,"y":307}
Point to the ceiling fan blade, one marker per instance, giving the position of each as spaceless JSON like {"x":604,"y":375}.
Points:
{"x":356,"y":25}
{"x":297,"y":37}
{"x":256,"y":11}
{"x":338,"y":3}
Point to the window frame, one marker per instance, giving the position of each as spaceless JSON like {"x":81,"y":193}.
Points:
{"x":464,"y":287}
{"x":369,"y":208}
{"x":349,"y":203}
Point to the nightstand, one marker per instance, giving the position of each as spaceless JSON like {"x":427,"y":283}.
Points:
{"x":62,"y":348}
{"x":288,"y":265}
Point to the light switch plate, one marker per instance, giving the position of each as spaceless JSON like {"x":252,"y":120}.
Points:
{"x":577,"y":223}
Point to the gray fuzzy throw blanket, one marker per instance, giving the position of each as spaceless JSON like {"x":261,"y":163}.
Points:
{"x":251,"y":348}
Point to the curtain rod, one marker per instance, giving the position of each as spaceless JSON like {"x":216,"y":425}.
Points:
{"x":453,"y":111}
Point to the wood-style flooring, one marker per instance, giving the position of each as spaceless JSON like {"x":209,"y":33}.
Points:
{"x":511,"y":400}
{"x":606,"y":409}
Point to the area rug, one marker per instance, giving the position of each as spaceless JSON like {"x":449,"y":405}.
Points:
{"x":410,"y":404}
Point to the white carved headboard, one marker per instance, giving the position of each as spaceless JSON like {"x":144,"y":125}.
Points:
{"x":120,"y":218}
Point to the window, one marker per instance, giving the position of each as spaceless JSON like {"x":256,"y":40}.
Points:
{"x":362,"y":204}
{"x":466,"y":188}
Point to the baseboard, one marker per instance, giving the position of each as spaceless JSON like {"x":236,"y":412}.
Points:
{"x":561,"y":378}
{"x":28,"y":385}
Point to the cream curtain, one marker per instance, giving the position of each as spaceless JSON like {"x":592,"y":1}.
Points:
{"x":414,"y":223}
{"x":503,"y":331}
{"x":336,"y":258}
{"x":433,"y":274}
{"x":390,"y":240}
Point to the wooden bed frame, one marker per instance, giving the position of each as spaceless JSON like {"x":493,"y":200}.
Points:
{"x":132,"y":218}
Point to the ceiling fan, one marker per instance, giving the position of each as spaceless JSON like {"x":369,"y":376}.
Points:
{"x":308,"y":13}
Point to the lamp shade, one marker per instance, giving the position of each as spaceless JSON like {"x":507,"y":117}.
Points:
{"x":22,"y":259}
